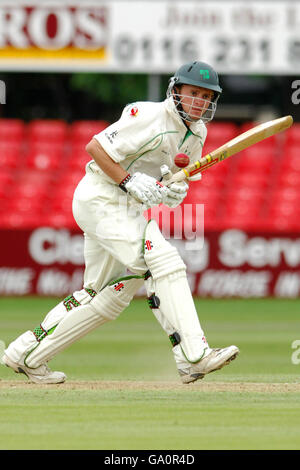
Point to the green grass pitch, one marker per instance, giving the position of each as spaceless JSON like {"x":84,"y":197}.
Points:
{"x":123,"y":391}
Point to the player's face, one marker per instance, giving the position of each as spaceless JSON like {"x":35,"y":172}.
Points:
{"x":195,"y":100}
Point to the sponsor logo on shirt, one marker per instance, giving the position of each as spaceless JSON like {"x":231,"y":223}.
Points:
{"x":111,"y":136}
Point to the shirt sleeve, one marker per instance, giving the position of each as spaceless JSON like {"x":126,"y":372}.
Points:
{"x":131,"y":134}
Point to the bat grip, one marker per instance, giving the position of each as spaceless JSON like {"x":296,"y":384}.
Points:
{"x":166,"y":175}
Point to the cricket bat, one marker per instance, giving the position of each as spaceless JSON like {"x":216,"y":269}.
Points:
{"x":239,"y":143}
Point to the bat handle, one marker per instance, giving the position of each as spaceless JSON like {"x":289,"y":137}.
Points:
{"x":166,"y":174}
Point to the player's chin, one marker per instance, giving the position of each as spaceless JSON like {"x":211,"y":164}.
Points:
{"x":196,"y":111}
{"x":195,"y":115}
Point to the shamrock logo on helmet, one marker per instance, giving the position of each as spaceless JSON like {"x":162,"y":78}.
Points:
{"x":204,"y":73}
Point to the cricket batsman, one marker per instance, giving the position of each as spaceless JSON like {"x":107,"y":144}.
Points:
{"x":122,"y":250}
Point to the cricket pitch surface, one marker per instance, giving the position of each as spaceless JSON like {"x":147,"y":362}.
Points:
{"x":168,"y":386}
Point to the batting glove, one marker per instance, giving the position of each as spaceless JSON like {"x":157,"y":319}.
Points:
{"x":177,"y":193}
{"x":145,"y":188}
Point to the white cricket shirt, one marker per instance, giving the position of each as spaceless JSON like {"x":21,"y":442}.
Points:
{"x":149,"y":135}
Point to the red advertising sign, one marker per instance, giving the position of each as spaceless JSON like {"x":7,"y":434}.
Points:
{"x":44,"y":261}
{"x":232,"y":263}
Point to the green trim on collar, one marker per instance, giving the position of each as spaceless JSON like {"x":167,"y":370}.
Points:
{"x":187,"y":135}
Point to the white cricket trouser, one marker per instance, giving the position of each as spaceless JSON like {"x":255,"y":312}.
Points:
{"x":113,"y":231}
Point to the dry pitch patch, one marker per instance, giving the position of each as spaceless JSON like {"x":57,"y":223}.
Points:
{"x":159,"y":386}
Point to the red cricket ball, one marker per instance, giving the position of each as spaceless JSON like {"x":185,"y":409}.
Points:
{"x":181,"y":160}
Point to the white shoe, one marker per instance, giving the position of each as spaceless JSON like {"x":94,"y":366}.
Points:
{"x":215,"y":360}
{"x":40,"y":375}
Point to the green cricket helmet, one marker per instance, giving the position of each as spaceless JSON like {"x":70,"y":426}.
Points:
{"x":197,"y":74}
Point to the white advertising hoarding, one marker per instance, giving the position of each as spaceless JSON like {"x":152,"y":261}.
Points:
{"x":150,"y":36}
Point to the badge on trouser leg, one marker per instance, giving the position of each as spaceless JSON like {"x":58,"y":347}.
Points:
{"x":170,"y":285}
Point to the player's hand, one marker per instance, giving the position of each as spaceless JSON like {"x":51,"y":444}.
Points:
{"x":146,"y":189}
{"x":177,"y":193}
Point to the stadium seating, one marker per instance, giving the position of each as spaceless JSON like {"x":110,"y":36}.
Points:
{"x":293,"y":135}
{"x":220,"y":132}
{"x":47,"y":131}
{"x":81,"y":132}
{"x":10,"y":154}
{"x":42,"y":162}
{"x":12,"y":130}
{"x":45,"y":157}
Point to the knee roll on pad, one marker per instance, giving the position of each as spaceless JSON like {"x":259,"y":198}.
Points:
{"x":116,"y":296}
